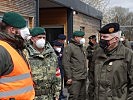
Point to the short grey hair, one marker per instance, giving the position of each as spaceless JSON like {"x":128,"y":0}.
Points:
{"x":116,"y":34}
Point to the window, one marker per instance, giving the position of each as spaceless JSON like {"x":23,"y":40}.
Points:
{"x":82,"y":28}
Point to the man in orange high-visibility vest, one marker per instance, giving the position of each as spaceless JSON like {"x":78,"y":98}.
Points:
{"x":15,"y":78}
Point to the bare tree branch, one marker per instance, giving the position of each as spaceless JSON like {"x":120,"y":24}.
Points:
{"x":98,"y":4}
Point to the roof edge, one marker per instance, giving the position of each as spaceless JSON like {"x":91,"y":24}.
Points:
{"x":81,"y":7}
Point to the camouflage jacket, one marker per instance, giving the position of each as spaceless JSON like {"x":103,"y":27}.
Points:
{"x":43,"y":66}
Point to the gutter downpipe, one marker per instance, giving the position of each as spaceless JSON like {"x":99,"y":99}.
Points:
{"x":37,"y":13}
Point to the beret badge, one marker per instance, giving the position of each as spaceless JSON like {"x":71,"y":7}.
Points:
{"x":111,"y":30}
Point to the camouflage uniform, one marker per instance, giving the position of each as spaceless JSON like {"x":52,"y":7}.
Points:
{"x":43,"y":66}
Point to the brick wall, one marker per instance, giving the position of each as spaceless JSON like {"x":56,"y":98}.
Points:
{"x":90,"y":25}
{"x":26,"y":8}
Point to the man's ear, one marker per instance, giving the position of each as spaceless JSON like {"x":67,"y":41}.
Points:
{"x":11,"y":30}
{"x":33,"y":39}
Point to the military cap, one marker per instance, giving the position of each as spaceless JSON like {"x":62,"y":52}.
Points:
{"x":14,"y":19}
{"x":78,"y":33}
{"x":92,"y":37}
{"x":56,"y":43}
{"x":37,"y":31}
{"x":110,"y":28}
{"x":61,"y":37}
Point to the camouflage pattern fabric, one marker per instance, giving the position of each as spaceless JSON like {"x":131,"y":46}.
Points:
{"x":43,"y":66}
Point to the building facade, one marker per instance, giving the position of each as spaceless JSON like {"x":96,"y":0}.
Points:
{"x":66,"y":16}
{"x":26,"y":8}
{"x":56,"y":16}
{"x":89,"y":25}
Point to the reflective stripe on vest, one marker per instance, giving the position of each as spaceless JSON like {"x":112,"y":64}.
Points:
{"x":16,"y":92}
{"x":14,"y":78}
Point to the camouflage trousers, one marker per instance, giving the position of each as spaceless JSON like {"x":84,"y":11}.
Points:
{"x":44,"y":97}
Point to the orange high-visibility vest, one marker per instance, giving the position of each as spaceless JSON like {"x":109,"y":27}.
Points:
{"x":18,"y":84}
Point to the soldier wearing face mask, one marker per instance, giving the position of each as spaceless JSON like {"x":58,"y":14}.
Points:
{"x":112,"y":67}
{"x":57,"y":48}
{"x":44,"y":66}
{"x":75,"y":69}
{"x":93,"y":45}
{"x":15,"y":76}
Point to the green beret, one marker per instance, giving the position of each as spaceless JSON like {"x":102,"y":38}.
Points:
{"x":14,"y":19}
{"x":110,"y":28}
{"x":37,"y":31}
{"x":78,"y":33}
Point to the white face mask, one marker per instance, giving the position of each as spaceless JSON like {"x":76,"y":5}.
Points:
{"x":40,"y":43}
{"x":24,"y":32}
{"x":82,"y":41}
{"x":65,"y":41}
{"x":29,"y":37}
{"x":121,"y":39}
{"x":58,"y":49}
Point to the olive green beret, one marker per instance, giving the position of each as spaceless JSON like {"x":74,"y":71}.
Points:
{"x":37,"y":31}
{"x":78,"y":33}
{"x":14,"y":19}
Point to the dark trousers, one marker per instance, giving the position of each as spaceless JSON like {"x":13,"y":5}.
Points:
{"x":77,"y":91}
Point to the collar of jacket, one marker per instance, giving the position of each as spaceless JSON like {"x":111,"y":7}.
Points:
{"x":94,"y":46}
{"x":34,"y":53}
{"x":118,"y":53}
{"x":14,"y":42}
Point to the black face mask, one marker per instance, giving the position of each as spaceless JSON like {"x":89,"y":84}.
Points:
{"x":91,"y":43}
{"x":104,"y":44}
